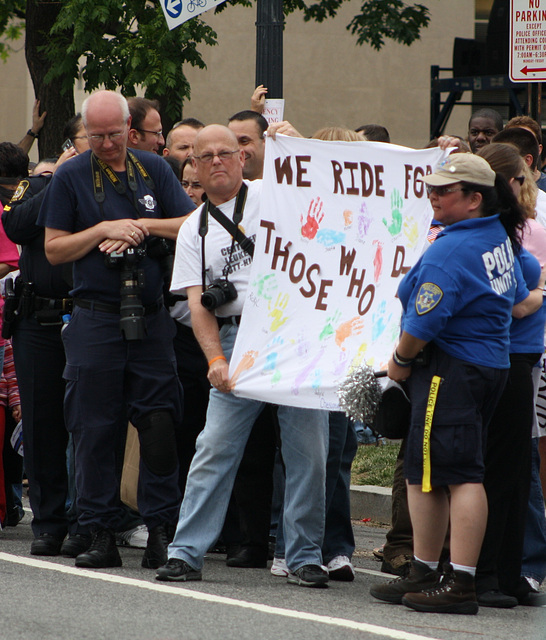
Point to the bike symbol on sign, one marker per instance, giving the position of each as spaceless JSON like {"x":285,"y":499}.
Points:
{"x":173,"y":7}
{"x":196,"y":3}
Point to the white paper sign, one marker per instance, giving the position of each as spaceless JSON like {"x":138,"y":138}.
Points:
{"x":178,"y":11}
{"x":273,"y":110}
{"x":341,"y":223}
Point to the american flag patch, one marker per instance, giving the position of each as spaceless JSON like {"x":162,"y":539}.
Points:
{"x":434,"y":231}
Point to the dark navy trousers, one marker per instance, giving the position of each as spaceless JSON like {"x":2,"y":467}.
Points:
{"x":110,"y":380}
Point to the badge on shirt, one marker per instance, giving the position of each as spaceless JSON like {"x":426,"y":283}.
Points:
{"x":148,"y":201}
{"x":428,"y":297}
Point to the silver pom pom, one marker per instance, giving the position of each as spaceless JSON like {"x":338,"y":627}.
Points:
{"x":360,"y":394}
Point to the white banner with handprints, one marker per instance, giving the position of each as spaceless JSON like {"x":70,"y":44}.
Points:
{"x":178,"y":11}
{"x":341,"y":223}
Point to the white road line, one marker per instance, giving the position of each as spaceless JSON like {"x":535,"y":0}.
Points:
{"x":197,"y":595}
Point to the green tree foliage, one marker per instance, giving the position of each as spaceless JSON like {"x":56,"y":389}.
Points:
{"x":12,"y":23}
{"x":376,"y":21}
{"x":124,"y":45}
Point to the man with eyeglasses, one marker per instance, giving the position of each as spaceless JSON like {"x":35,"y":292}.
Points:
{"x":106,"y":211}
{"x":206,"y":262}
{"x":145,"y":132}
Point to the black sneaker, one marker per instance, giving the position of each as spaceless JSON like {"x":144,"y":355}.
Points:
{"x":75,"y":544}
{"x":419,"y":578}
{"x":102,"y":553}
{"x":248,"y":558}
{"x":310,"y":575}
{"x":177,"y":570}
{"x":155,"y":554}
{"x":529,"y":593}
{"x":496,"y":599}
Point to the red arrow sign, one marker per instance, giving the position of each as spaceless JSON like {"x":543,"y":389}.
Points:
{"x":526,"y":70}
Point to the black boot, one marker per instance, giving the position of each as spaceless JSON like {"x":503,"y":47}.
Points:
{"x":102,"y":553}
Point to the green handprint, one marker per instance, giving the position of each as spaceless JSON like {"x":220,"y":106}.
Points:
{"x":266,"y":286}
{"x":396,"y":205}
{"x":329,"y":327}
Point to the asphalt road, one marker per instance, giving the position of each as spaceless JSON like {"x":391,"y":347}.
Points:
{"x":43,"y":599}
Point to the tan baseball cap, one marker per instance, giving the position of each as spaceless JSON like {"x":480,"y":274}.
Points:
{"x":465,"y":167}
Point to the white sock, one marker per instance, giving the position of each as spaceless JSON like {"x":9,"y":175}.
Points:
{"x":430,"y":565}
{"x":461,"y":567}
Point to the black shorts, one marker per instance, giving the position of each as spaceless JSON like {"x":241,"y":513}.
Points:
{"x":467,"y":397}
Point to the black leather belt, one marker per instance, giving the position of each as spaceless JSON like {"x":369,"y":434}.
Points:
{"x":94,"y":305}
{"x":60,"y":304}
{"x":236,"y":320}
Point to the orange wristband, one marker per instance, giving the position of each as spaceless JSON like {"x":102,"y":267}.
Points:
{"x":217,"y":358}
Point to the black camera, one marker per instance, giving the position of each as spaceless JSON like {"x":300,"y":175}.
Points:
{"x":219,"y":292}
{"x":131,"y":311}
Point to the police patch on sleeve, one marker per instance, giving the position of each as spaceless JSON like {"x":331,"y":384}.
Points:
{"x":20,"y":191}
{"x":428,"y":297}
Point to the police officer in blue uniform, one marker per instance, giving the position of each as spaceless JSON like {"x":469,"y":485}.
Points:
{"x":106,"y":211}
{"x":458,"y":301}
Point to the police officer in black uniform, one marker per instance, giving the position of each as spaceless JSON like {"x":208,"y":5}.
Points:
{"x":34,"y":314}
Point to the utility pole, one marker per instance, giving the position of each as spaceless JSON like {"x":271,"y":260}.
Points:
{"x":269,"y":46}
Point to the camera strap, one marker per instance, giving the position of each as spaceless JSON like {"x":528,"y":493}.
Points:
{"x":100,"y":168}
{"x":231,"y":227}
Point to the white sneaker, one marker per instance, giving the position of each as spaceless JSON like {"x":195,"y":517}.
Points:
{"x":279,"y":567}
{"x":137,"y":537}
{"x":340,"y":568}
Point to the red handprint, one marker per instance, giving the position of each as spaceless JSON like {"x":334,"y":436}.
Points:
{"x":377,"y":260}
{"x":315,"y":216}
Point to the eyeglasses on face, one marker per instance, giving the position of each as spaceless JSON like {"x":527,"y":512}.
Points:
{"x":158,"y":134}
{"x":207,"y":158}
{"x":520,"y":179}
{"x":101,"y":137}
{"x":444,"y":190}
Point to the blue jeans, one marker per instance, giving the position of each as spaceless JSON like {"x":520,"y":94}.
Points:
{"x":219,"y":449}
{"x":338,"y":535}
{"x":533,"y":562}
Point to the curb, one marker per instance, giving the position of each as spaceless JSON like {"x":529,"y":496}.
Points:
{"x":371,"y":502}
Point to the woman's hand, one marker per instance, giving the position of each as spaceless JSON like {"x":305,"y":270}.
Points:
{"x":396,"y":372}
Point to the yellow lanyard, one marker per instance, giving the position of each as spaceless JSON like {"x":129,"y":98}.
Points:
{"x":429,"y":414}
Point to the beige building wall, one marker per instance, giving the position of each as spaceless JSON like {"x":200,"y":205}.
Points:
{"x":328,"y":78}
{"x":16,"y":97}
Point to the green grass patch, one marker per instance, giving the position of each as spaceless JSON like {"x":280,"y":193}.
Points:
{"x":375,"y":465}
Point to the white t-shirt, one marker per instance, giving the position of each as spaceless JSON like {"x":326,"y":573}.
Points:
{"x":187,"y":270}
{"x":540,"y":208}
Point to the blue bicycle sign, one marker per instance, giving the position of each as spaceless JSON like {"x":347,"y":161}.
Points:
{"x":173,"y":7}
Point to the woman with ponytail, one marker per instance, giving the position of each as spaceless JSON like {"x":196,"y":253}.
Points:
{"x":453,"y":352}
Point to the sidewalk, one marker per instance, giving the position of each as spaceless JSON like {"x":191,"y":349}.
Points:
{"x":371,"y":502}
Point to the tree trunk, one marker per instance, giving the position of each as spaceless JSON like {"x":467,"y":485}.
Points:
{"x":40,"y":17}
